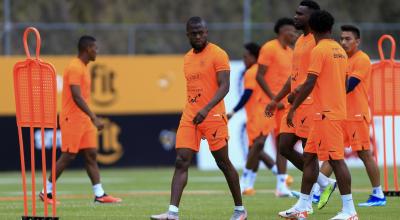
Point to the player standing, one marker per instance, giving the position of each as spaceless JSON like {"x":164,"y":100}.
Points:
{"x":326,"y":79}
{"x":206,"y":69}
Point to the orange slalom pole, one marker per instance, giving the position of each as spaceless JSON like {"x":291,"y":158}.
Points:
{"x":395,"y":176}
{"x":53,"y":169}
{"x":22,"y":157}
{"x":44,"y":172}
{"x":33,"y":172}
{"x":385,"y":169}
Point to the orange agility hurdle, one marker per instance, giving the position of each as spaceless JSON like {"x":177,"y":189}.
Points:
{"x":35,"y":92}
{"x":385,"y":104}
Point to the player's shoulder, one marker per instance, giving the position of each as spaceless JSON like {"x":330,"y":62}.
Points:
{"x":74,"y":65}
{"x":215,"y":49}
{"x":361,"y":55}
{"x":270,"y":44}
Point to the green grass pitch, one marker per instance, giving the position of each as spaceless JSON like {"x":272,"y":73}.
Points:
{"x":146,"y":192}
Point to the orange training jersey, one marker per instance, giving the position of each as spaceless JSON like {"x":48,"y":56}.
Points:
{"x":76,"y":73}
{"x":329,"y":63}
{"x":359,"y":66}
{"x":301,"y":61}
{"x":201,"y":79}
{"x":250,"y":82}
{"x":279,"y":63}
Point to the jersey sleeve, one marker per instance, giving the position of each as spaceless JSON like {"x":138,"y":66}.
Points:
{"x":361,"y":68}
{"x":74,"y":75}
{"x":317,"y":58}
{"x":249,"y":80}
{"x":221,"y":61}
{"x":266,"y":56}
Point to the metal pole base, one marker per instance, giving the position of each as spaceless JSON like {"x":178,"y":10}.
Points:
{"x":38,"y":218}
{"x":392,"y":193}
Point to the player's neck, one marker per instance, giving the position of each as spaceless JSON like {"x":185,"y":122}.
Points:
{"x":282,"y":42}
{"x":351,"y":53}
{"x":199,"y":50}
{"x":322,"y":36}
{"x":84,"y":58}
{"x":306,"y":30}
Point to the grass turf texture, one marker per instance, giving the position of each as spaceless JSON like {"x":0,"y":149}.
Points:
{"x":146,"y":192}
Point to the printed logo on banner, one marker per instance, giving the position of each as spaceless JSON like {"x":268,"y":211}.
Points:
{"x":103,"y":85}
{"x":110,"y":149}
{"x":167,"y":139}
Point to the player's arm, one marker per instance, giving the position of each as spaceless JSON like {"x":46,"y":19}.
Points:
{"x":223,"y":89}
{"x":352,"y":83}
{"x":305,"y":91}
{"x":261,"y":71}
{"x":243,"y":100}
{"x":80,"y":102}
{"x":274,"y":102}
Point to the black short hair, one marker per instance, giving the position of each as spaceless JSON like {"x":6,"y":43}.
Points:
{"x":195,"y":20}
{"x":353,"y":29}
{"x":321,"y":21}
{"x":84,"y":42}
{"x":253,"y":48}
{"x":282,"y":22}
{"x":310,"y":4}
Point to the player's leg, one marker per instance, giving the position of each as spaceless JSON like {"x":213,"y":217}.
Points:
{"x":184,"y":157}
{"x":187,"y":144}
{"x":232,"y":178}
{"x":250,"y":172}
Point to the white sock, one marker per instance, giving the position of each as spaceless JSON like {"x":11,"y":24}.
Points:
{"x":348,"y":204}
{"x":49,"y":187}
{"x":252,"y":179}
{"x":274,"y":170}
{"x":245,"y":178}
{"x":281,"y":181}
{"x":239,"y":208}
{"x":377,"y":191}
{"x":316,"y":190}
{"x":303,"y":203}
{"x":323,"y":181}
{"x":98,"y":190}
{"x":173,"y":208}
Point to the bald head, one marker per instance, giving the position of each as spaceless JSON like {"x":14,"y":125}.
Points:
{"x":195,"y":21}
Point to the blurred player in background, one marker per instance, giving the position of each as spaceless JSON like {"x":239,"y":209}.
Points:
{"x":274,"y":68}
{"x":79,"y":125}
{"x":249,"y":100}
{"x":356,"y":129}
{"x":207,"y":70}
{"x":326,"y":80}
{"x":303,"y":119}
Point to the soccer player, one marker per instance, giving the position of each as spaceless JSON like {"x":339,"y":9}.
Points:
{"x":303,"y":120}
{"x":249,"y":100}
{"x":206,"y":69}
{"x":326,"y":79}
{"x":356,"y":130}
{"x":79,"y":125}
{"x":274,"y":68}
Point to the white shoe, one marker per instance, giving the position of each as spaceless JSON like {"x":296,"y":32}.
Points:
{"x":345,"y":216}
{"x":283,"y":191}
{"x":293,"y":213}
{"x":165,"y":216}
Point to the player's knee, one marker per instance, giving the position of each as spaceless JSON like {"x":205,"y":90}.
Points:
{"x":181,"y":163}
{"x":283,"y":150}
{"x":223,"y":165}
{"x":364,"y":155}
{"x":91,"y":157}
{"x":67,"y":157}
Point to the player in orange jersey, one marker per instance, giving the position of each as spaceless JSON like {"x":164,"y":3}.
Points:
{"x":358,"y":116}
{"x":206,"y":69}
{"x":326,"y":80}
{"x":250,"y":101}
{"x":79,"y":125}
{"x":289,"y":136}
{"x":274,"y":68}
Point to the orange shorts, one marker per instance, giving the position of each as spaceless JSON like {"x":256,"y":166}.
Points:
{"x":326,"y":140}
{"x":77,"y":133}
{"x":356,"y":135}
{"x":214,"y":129}
{"x":258,"y":124}
{"x":278,"y":121}
{"x":303,"y":121}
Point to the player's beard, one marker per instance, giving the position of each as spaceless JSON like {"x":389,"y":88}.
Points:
{"x":198,"y":47}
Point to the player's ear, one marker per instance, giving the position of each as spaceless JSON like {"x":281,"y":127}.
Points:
{"x":358,"y":41}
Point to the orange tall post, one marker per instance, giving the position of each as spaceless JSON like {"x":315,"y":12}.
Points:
{"x":385,"y":103}
{"x":35,"y":91}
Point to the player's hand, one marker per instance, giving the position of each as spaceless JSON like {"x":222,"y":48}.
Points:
{"x":229,"y":115}
{"x":291,"y":98}
{"x":200,"y":116}
{"x":289,"y":118}
{"x":270,"y":109}
{"x":280,"y":106}
{"x":98,"y":123}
